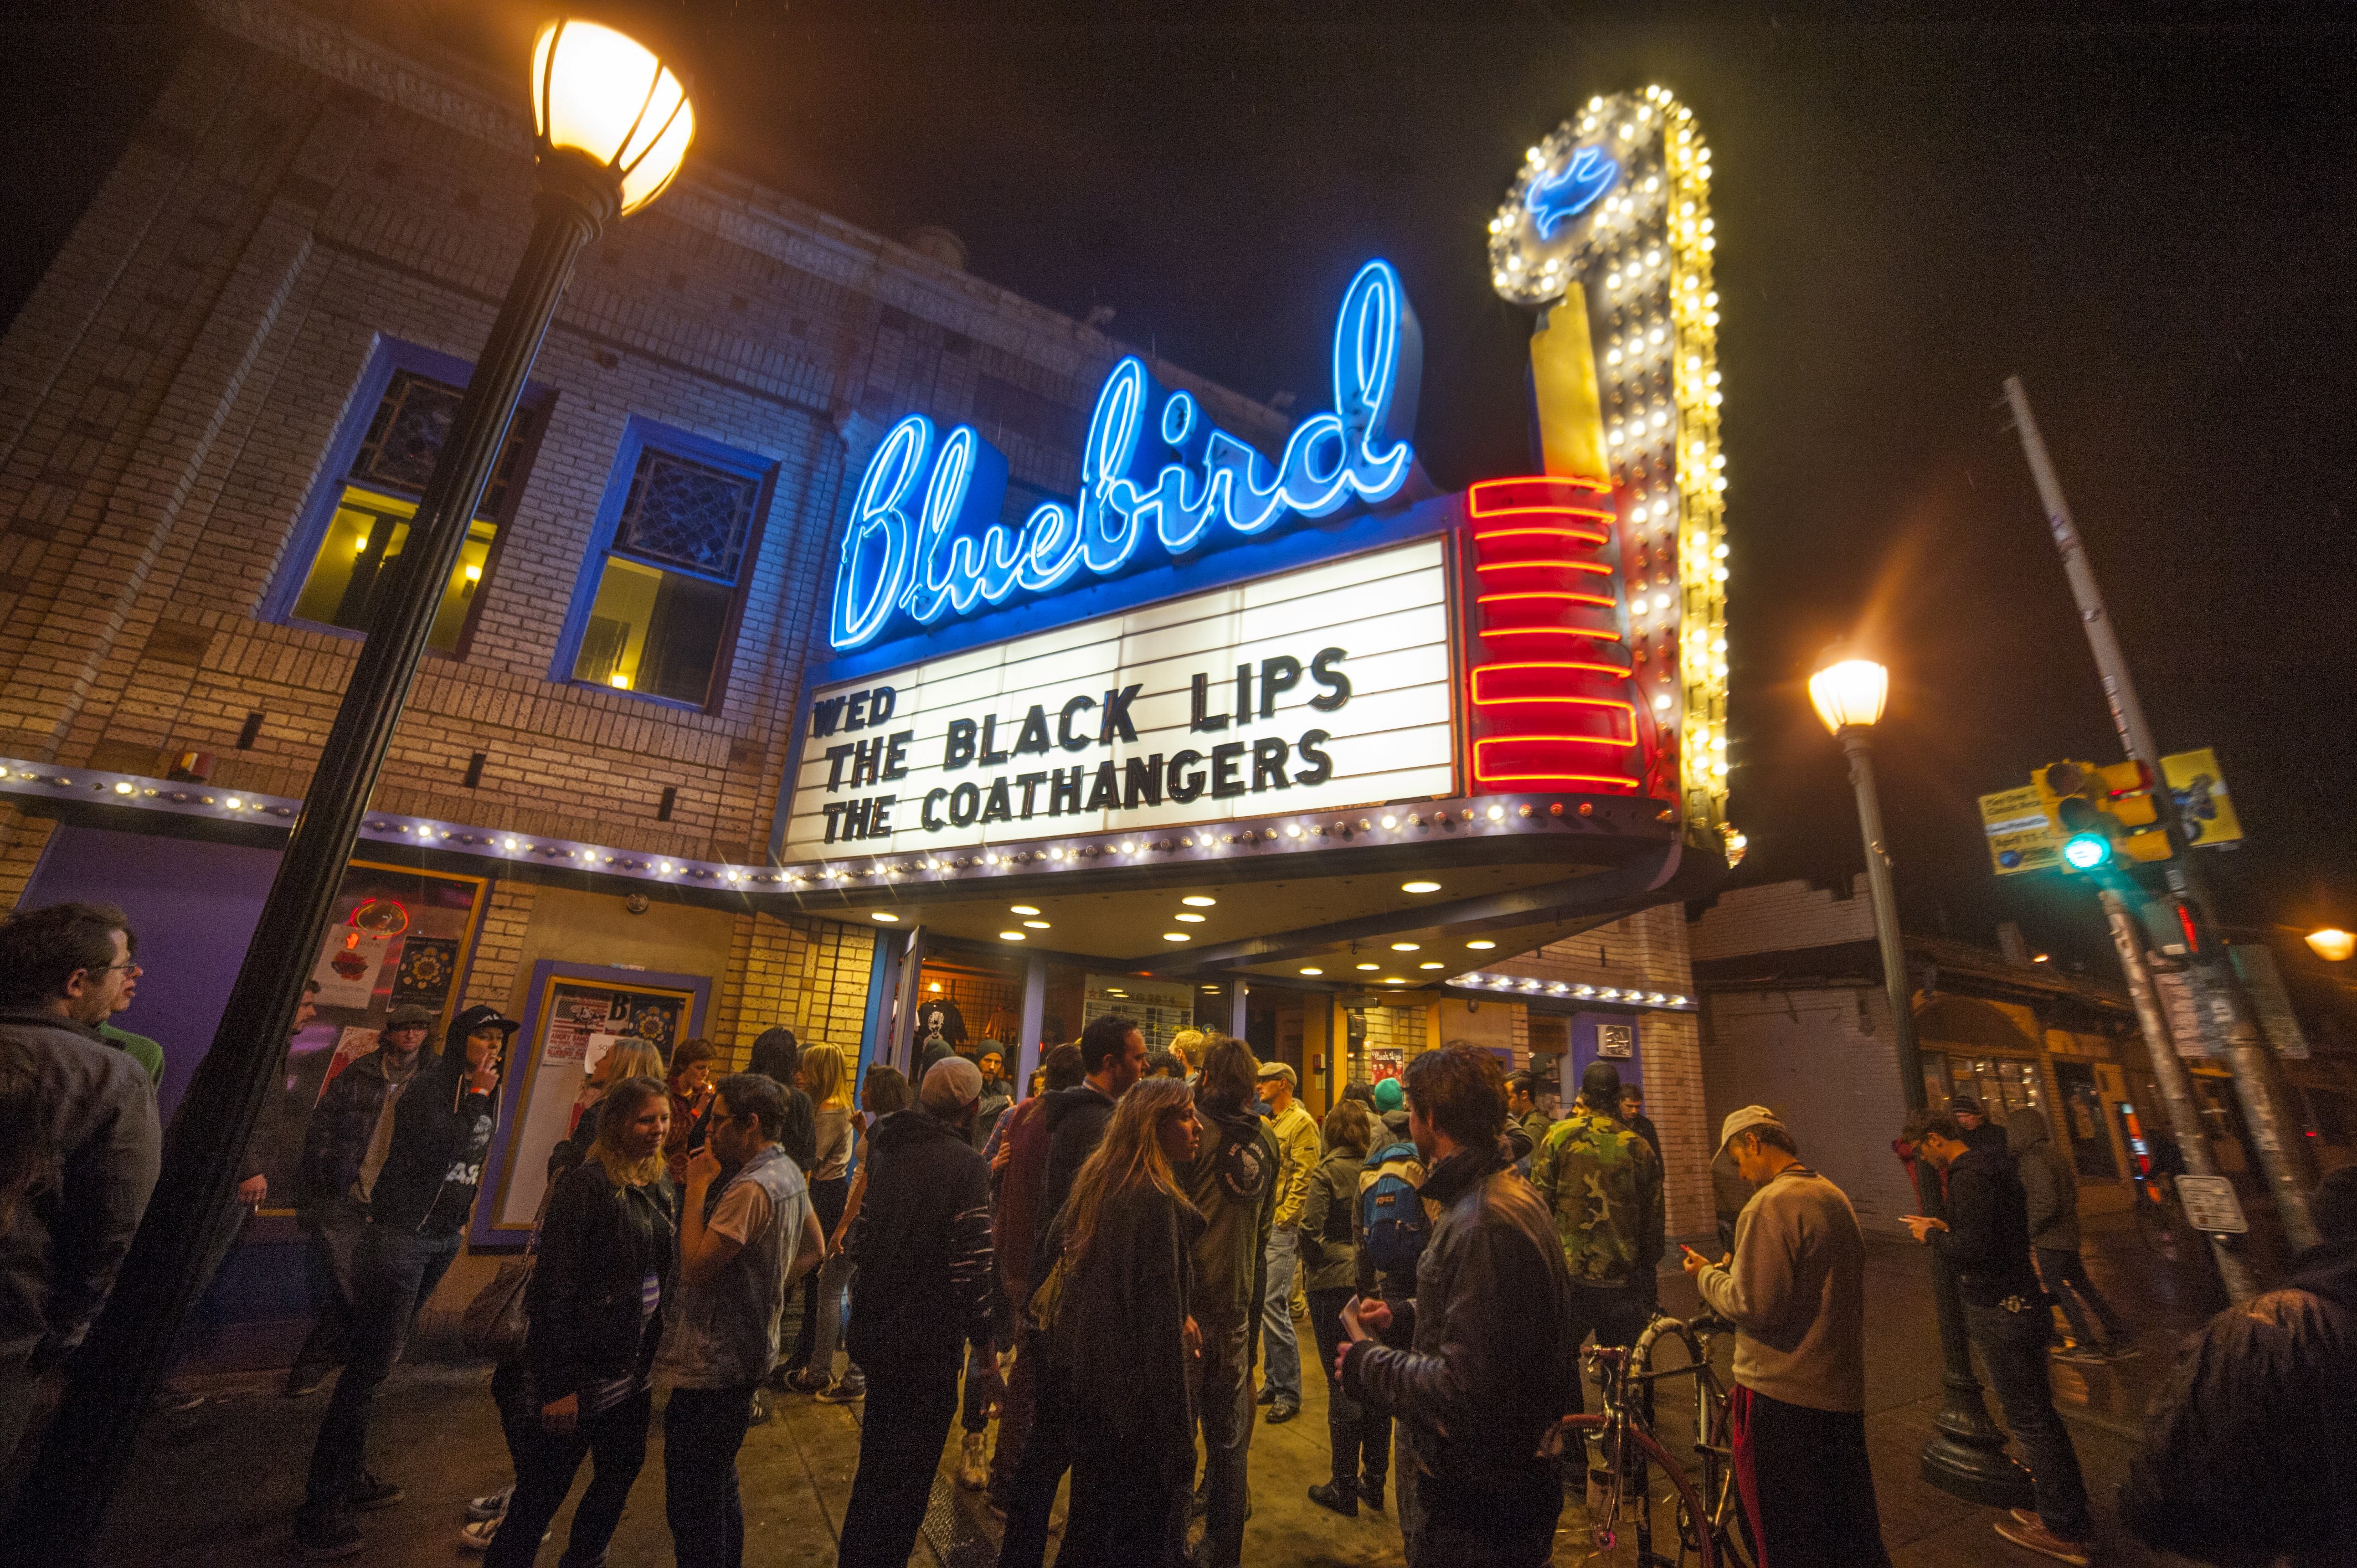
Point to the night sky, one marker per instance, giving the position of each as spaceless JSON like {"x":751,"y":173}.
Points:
{"x":2150,"y":220}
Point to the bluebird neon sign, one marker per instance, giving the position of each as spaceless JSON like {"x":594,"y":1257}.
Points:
{"x":924,"y":541}
{"x":1555,"y":200}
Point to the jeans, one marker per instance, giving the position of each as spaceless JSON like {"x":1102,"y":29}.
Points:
{"x":1013,"y":1425}
{"x":1346,"y":1423}
{"x":974,"y":1409}
{"x":702,"y":1429}
{"x":2065,"y":1278}
{"x":394,"y":1272}
{"x":827,"y":1201}
{"x":1408,"y":1506}
{"x":1282,"y":1357}
{"x":2013,"y":1354}
{"x":1807,"y":1490}
{"x":903,"y":1427}
{"x":546,"y":1465}
{"x":1223,"y":1403}
{"x":1616,"y":1315}
{"x":1507,"y":1522}
{"x":834,"y":1278}
{"x":1047,"y":1454}
{"x":328,"y":1255}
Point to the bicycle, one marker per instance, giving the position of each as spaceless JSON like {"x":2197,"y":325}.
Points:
{"x":1705,"y":1521}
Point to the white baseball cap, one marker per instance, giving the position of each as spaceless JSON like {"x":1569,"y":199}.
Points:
{"x":1743,"y":1121}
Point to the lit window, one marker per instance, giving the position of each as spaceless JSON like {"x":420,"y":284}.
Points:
{"x":681,"y":537}
{"x":372,"y":505}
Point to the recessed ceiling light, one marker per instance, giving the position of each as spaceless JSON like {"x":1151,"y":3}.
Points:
{"x":1370,"y":966}
{"x":1406,"y":947}
{"x":1198,"y":901}
{"x":1191,"y":919}
{"x":1313,"y":971}
{"x":1037,"y":925}
{"x":1393,"y":980}
{"x":1480,"y":946}
{"x":1211,"y":988}
{"x":1419,"y":886}
{"x":1176,"y":937}
{"x":1010,"y":936}
{"x":1433,"y":965}
{"x":889,"y":919}
{"x":1022,"y":908}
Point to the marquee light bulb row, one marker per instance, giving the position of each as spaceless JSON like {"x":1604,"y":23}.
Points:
{"x":1626,"y":996}
{"x":1616,"y":200}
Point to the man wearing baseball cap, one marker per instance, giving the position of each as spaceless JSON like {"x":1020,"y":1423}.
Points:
{"x":1794,"y":1287}
{"x":426,"y":1123}
{"x":1299,"y":1151}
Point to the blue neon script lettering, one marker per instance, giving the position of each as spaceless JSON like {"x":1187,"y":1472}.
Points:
{"x":923,"y":541}
{"x":1556,"y":198}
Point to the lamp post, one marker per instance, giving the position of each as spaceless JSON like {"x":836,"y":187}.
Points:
{"x":1967,"y":1457}
{"x":611,"y":123}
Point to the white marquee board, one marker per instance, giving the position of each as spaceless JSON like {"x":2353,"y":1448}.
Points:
{"x":967,"y":741}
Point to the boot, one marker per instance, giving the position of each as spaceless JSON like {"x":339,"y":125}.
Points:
{"x":974,"y":1462}
{"x":1339,"y":1496}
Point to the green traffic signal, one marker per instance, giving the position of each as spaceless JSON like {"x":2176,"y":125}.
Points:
{"x":2085,"y":851}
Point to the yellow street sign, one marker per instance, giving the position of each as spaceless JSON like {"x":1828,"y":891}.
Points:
{"x":2203,"y":803}
{"x":2020,"y":836}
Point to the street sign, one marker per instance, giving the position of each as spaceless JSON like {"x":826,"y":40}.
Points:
{"x":2184,"y":1016}
{"x":2264,"y":984}
{"x":2021,"y":837}
{"x":2211,"y":1205}
{"x":2203,"y":807}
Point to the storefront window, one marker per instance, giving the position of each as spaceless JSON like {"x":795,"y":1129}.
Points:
{"x":1999,"y":1084}
{"x":2082,"y":1130}
{"x":667,"y":584}
{"x":368,"y":525}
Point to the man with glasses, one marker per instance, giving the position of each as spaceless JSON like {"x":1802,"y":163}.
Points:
{"x":82,"y":1147}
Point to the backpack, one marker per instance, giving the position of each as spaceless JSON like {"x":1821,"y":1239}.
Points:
{"x":1392,"y":1223}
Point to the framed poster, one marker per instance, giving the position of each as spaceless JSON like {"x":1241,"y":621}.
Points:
{"x":574,"y":1015}
{"x":398,"y":935}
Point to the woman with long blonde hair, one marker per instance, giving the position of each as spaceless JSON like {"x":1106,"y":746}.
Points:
{"x":810,"y":1365}
{"x":1119,"y":1333}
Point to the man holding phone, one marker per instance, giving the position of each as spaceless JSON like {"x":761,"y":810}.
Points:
{"x":1794,"y":1287}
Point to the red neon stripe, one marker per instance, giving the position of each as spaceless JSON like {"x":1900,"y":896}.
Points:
{"x":1555,"y":778}
{"x":1539,"y":560}
{"x":1562,"y":533}
{"x":1549,"y":631}
{"x":1483,"y":489}
{"x":1557,"y":664}
{"x":1606,"y":600}
{"x":1550,"y":740}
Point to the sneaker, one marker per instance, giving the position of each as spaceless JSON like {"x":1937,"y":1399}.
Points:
{"x":2036,"y":1537}
{"x":1267,"y":1395}
{"x":303,"y":1381}
{"x":373,"y":1492}
{"x":171,"y":1399}
{"x":2080,"y":1355}
{"x":974,"y":1462}
{"x":2025,"y":1516}
{"x":478,"y":1536}
{"x":1340,"y":1499}
{"x":1282,"y":1412}
{"x":758,"y":1413}
{"x":806,"y":1381}
{"x":843,"y":1390}
{"x":1371,"y":1491}
{"x":326,"y":1538}
{"x":491,"y":1505}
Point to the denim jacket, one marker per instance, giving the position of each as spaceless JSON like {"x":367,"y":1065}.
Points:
{"x":725,"y":1333}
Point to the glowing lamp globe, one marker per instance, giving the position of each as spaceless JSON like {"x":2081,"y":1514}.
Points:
{"x":602,"y":95}
{"x":2333,"y":944}
{"x":1850,"y":693}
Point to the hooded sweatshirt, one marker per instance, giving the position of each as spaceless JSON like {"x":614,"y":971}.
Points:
{"x":2048,"y":1182}
{"x":1234,"y":1185}
{"x":1076,"y":1121}
{"x":441,"y":1130}
{"x":922,"y":1243}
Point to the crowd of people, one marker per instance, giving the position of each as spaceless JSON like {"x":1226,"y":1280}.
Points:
{"x":1108,"y":1267}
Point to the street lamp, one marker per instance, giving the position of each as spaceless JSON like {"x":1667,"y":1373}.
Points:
{"x":2333,"y":944}
{"x":1967,"y":1458}
{"x":611,"y":123}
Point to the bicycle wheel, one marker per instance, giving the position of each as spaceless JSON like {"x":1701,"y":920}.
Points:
{"x":1615,"y":1526}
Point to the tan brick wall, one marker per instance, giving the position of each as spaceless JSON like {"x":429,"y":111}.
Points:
{"x":1780,"y":918}
{"x":21,"y":839}
{"x":500,"y":944}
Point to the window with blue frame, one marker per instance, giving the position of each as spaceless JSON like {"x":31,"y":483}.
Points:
{"x":357,"y":526}
{"x":676,"y":539}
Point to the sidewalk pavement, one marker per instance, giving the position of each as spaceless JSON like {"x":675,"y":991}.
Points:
{"x":217,"y":1485}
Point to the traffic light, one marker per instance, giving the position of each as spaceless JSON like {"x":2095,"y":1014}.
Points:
{"x":2103,"y":815}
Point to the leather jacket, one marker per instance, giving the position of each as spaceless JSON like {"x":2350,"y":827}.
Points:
{"x":1489,"y":1373}
{"x":588,"y":1321}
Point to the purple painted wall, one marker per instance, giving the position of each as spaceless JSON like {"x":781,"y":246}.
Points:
{"x":193,"y":905}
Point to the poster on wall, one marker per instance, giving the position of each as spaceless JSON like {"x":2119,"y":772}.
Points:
{"x":1616,"y":1042}
{"x":572,"y":1020}
{"x":1382,"y":1062}
{"x":396,"y":936}
{"x":1161,"y":1007}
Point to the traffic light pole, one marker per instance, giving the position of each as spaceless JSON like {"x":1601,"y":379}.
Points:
{"x":2227,"y":1017}
{"x":2193,"y":1144}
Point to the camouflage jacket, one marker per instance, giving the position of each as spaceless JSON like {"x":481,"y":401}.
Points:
{"x":1603,"y":1184}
